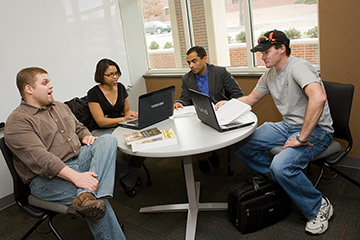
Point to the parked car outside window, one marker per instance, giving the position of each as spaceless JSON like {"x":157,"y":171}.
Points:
{"x":157,"y":27}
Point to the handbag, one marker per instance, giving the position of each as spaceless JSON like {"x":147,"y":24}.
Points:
{"x":257,"y":203}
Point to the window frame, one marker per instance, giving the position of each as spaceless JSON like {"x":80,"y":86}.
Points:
{"x":189,"y":36}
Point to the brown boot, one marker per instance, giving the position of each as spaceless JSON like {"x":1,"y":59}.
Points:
{"x":85,"y":205}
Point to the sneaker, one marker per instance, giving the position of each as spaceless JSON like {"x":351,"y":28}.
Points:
{"x":319,"y":224}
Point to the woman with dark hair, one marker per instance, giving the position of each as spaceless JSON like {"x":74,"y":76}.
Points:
{"x":108,"y":103}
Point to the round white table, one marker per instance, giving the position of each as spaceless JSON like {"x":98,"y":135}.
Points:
{"x":193,"y":137}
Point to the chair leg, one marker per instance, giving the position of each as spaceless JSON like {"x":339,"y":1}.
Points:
{"x":320,"y":176}
{"x":52,"y":226}
{"x":309,"y":171}
{"x":342,"y":174}
{"x":229,"y":172}
{"x":121,"y":224}
{"x":35,"y":226}
{"x":148,"y":182}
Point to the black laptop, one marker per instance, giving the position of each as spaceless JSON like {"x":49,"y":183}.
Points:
{"x":153,"y":107}
{"x":206,"y":113}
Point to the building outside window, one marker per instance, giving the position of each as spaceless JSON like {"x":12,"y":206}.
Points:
{"x":158,"y":33}
{"x":227,"y":30}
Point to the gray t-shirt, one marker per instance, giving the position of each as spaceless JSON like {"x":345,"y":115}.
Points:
{"x":287,"y":89}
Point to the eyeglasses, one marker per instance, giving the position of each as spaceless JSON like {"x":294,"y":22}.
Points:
{"x":117,"y":74}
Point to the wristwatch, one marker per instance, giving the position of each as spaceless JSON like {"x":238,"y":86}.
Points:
{"x":300,"y":141}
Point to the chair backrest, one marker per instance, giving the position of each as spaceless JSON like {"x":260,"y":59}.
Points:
{"x":340,"y":98}
{"x":21,"y":190}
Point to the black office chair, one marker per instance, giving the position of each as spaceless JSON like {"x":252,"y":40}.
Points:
{"x":340,"y":98}
{"x":33,"y":206}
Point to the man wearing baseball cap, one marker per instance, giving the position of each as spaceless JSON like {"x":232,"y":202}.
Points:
{"x":304,"y":132}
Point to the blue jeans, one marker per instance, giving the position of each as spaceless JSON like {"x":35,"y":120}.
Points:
{"x":286,"y":167}
{"x":99,"y":158}
{"x":129,"y":168}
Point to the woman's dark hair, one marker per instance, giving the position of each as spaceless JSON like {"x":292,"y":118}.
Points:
{"x":101,"y":67}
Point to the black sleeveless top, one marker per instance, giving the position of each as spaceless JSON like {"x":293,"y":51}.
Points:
{"x":96,"y":95}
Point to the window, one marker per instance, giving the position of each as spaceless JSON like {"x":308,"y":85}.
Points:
{"x":227,"y":30}
{"x":296,"y":19}
{"x":158,"y":31}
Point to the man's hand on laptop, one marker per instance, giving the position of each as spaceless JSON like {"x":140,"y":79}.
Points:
{"x":219,"y":104}
{"x":178,"y":105}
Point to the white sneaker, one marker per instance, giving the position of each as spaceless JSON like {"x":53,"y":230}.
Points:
{"x":319,"y":224}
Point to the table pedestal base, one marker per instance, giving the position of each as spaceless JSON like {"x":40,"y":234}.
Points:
{"x":193,"y":207}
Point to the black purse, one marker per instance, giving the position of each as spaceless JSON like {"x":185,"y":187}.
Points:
{"x":257,"y":203}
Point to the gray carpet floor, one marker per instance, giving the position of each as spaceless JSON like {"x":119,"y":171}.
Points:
{"x":168,"y":186}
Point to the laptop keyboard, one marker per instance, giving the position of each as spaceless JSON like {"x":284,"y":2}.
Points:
{"x":135,"y":121}
{"x":234,"y":123}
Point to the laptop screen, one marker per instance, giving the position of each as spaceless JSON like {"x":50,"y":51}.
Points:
{"x":156,"y":106}
{"x":206,"y":113}
{"x":204,"y":108}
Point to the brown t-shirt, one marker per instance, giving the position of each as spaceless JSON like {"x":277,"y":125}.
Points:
{"x":42,"y":139}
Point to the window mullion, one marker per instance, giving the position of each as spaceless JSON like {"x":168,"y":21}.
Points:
{"x":249,"y":34}
{"x":188,"y":30}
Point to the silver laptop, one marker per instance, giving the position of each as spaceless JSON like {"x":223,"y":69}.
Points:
{"x":206,"y":113}
{"x":153,"y":107}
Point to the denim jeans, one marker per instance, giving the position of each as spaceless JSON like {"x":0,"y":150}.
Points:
{"x":286,"y":167}
{"x":101,"y":159}
{"x":129,"y":166}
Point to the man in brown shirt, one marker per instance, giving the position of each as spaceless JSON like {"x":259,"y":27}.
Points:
{"x":59,"y":157}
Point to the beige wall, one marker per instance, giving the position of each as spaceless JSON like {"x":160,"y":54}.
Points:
{"x":340,"y":51}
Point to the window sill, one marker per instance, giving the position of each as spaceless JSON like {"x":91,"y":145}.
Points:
{"x":179,"y":75}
